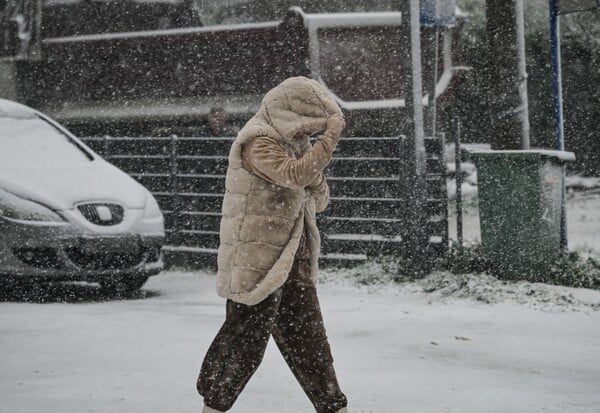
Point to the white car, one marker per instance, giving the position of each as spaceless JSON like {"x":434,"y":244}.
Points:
{"x":68,"y":215}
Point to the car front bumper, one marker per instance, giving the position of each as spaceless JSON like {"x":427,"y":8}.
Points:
{"x":60,"y":252}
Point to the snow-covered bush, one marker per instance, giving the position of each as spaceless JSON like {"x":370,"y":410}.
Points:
{"x":571,"y":270}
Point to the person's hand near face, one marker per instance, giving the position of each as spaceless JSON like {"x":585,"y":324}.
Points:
{"x":335,"y":124}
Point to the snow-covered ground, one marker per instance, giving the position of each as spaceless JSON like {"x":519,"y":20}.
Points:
{"x":397,"y":349}
{"x":448,"y":343}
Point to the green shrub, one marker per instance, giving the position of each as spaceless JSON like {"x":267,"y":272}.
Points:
{"x":465,"y":259}
{"x":570,"y":270}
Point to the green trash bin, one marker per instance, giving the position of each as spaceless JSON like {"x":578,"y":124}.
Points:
{"x":520,"y":195}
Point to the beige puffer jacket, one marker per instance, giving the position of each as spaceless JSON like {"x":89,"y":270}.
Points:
{"x":273,"y":189}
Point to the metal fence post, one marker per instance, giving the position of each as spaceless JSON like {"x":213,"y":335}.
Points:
{"x":174,"y":192}
{"x":459,"y":180}
{"x":414,"y":178}
{"x":106,"y":147}
{"x":444,"y":191}
{"x":557,"y":108}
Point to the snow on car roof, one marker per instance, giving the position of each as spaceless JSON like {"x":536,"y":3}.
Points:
{"x":10,"y":109}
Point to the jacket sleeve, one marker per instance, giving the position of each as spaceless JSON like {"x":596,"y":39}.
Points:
{"x":320,"y":192}
{"x":270,"y":161}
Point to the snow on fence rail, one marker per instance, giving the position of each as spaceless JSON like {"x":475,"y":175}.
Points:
{"x":366,"y":216}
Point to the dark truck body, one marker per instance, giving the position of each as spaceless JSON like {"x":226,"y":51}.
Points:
{"x":137,"y":82}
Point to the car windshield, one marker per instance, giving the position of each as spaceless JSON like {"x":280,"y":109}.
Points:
{"x":26,"y":139}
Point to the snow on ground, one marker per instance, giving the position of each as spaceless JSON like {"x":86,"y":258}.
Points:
{"x":448,"y":288}
{"x":397,"y":349}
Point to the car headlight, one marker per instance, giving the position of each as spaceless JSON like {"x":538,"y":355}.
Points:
{"x":151,"y":210}
{"x":14,"y":207}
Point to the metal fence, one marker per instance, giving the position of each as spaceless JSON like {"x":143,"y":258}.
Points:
{"x":367,"y":214}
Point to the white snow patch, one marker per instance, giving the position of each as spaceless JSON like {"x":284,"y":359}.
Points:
{"x":469,"y":190}
{"x":479,"y":288}
{"x":577,"y":182}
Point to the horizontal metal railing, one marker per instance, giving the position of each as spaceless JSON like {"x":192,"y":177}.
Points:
{"x":366,"y":215}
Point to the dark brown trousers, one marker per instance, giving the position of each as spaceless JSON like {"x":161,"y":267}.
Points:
{"x":293,"y":316}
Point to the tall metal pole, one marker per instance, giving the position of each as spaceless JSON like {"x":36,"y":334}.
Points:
{"x":557,"y":108}
{"x":414,"y":82}
{"x":508,"y":74}
{"x":431,"y":119}
{"x":522,"y":59}
{"x":413,"y":169}
{"x":459,"y":180}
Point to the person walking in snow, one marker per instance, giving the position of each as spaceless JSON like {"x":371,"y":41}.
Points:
{"x":269,"y":248}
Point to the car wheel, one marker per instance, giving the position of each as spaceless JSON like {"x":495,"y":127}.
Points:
{"x":123,"y":285}
{"x":7,"y":287}
{"x":20,"y":288}
{"x":8,"y":283}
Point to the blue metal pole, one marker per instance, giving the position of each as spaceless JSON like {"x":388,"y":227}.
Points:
{"x":557,"y":108}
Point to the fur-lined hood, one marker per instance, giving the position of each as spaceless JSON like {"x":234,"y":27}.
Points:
{"x":297,"y":106}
